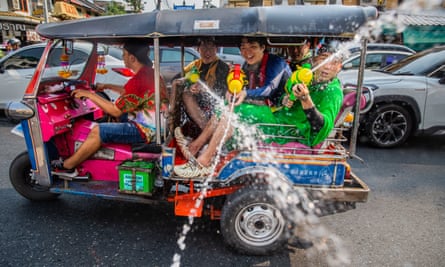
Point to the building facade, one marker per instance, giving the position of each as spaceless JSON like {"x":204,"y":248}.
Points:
{"x":18,"y":18}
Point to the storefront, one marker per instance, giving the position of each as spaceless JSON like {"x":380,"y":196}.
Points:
{"x":22,"y":28}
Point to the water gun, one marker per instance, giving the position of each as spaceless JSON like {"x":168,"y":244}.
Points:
{"x":236,"y":80}
{"x":192,"y":76}
{"x":303,"y":74}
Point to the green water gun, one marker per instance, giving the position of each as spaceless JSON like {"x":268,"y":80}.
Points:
{"x":192,"y":76}
{"x":303,"y":75}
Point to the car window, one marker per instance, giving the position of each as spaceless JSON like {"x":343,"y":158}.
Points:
{"x":174,"y":56}
{"x":26,"y":59}
{"x":77,"y":60}
{"x":231,"y":51}
{"x":440,"y":73}
{"x":373,"y":61}
{"x":390,"y":59}
{"x":418,"y":64}
{"x":77,"y":57}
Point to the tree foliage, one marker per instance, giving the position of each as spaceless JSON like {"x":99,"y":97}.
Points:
{"x":138,"y":5}
{"x":114,"y":8}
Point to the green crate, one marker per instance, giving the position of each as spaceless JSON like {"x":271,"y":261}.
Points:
{"x":136,"y":177}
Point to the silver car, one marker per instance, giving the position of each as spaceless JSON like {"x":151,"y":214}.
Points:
{"x":17,"y":68}
{"x":409,"y":98}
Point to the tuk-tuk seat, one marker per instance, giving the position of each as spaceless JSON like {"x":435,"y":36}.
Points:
{"x":328,"y":145}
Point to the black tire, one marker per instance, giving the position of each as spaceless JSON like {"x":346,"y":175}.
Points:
{"x":252,"y":223}
{"x":20,"y":176}
{"x":389,"y":126}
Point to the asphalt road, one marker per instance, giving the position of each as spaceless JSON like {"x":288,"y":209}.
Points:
{"x":402,"y":224}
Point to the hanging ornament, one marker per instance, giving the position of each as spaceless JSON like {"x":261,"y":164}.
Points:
{"x":101,"y":64}
{"x":65,"y":72}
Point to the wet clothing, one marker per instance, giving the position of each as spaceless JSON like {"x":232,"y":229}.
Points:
{"x":138,"y":102}
{"x":213,"y":74}
{"x":215,"y":77}
{"x":267,"y":79}
{"x":327,"y":98}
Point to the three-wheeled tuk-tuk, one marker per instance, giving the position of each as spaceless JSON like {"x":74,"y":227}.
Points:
{"x":255,"y":194}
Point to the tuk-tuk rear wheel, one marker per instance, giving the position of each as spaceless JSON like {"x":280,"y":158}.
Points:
{"x":252,"y":223}
{"x":20,"y":177}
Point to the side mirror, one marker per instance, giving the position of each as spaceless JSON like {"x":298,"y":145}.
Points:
{"x":2,"y":69}
{"x":69,"y":47}
{"x":347,"y":66}
{"x":441,"y":80}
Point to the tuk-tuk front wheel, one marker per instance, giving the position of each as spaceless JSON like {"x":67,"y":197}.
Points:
{"x":20,"y":177}
{"x":252,"y":223}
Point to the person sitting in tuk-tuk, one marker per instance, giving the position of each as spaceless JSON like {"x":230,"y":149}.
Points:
{"x":266,"y":73}
{"x":134,"y":108}
{"x":313,"y":115}
{"x":300,"y":55}
{"x":197,"y":102}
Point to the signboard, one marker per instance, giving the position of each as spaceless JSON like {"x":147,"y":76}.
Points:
{"x":65,"y":10}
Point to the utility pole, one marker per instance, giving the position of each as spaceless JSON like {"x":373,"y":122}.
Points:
{"x":45,"y":11}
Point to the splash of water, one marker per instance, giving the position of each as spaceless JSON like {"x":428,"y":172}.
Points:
{"x":288,"y":197}
{"x":309,"y":226}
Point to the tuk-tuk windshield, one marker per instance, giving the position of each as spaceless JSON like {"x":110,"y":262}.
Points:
{"x":67,"y":64}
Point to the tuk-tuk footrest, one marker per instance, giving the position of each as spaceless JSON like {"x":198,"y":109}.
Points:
{"x":188,"y":205}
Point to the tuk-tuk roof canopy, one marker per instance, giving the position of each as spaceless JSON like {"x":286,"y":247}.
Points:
{"x":168,"y":25}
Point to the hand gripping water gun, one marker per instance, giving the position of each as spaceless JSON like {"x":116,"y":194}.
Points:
{"x":303,"y":74}
{"x":192,"y":76}
{"x":236,"y":80}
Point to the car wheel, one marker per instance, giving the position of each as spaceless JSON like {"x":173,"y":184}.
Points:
{"x":20,"y":176}
{"x":389,"y":126}
{"x":252,"y":223}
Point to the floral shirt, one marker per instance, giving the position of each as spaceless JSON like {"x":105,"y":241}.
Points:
{"x":138,"y":101}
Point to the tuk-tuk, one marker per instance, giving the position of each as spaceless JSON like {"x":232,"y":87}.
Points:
{"x":255,"y":195}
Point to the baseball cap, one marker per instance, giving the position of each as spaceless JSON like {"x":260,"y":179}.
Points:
{"x":139,"y":49}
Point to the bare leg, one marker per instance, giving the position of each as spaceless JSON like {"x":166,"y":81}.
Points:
{"x":204,"y":137}
{"x":86,"y":150}
{"x":205,"y":159}
{"x":193,"y":110}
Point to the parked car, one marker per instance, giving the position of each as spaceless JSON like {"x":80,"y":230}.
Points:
{"x":231,"y":55}
{"x":378,"y":55}
{"x":382,"y":47}
{"x":170,"y":59}
{"x":409,"y":98}
{"x":17,"y":68}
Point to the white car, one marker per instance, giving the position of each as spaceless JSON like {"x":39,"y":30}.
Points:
{"x":230,"y":55}
{"x":378,"y":55}
{"x":409,"y":98}
{"x":17,"y":68}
